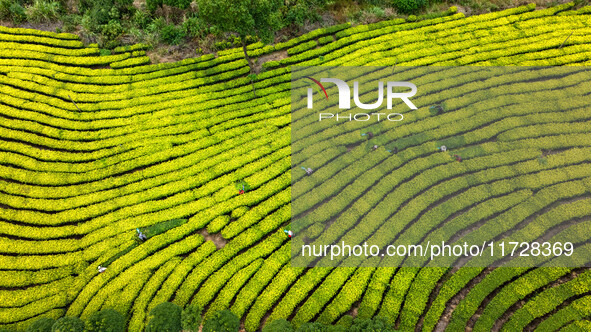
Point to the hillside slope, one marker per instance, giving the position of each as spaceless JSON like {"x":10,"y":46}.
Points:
{"x":93,"y":147}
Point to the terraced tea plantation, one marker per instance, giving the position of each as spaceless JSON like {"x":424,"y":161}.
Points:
{"x":95,"y":147}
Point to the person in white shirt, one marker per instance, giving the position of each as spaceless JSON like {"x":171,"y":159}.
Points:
{"x":308,"y":170}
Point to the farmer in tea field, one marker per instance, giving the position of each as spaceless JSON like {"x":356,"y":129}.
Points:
{"x":375,"y":147}
{"x":443,"y":148}
{"x":458,"y":158}
{"x":141,"y":235}
{"x":369,"y":134}
{"x":289,"y":233}
{"x":308,"y":170}
{"x":102,"y":269}
{"x":242,"y":187}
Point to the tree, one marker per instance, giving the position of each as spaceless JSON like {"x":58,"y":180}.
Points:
{"x":191,"y":317}
{"x":346,"y":321}
{"x":376,"y":324}
{"x":152,"y":5}
{"x":104,"y":17}
{"x":409,"y":6}
{"x":259,"y":18}
{"x":312,"y":327}
{"x":336,"y":328}
{"x":278,"y":325}
{"x":102,"y":11}
{"x":43,"y":324}
{"x":222,"y":321}
{"x":68,"y":324}
{"x":107,"y":320}
{"x":165,"y":317}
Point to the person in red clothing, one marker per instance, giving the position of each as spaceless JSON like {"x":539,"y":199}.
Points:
{"x":242,"y":187}
{"x":458,"y":158}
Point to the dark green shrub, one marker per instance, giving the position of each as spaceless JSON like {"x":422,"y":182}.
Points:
{"x":381,"y":3}
{"x":5,"y":9}
{"x":43,"y":11}
{"x":300,"y":13}
{"x":153,"y":5}
{"x":409,"y":6}
{"x":318,"y":327}
{"x":89,"y":24}
{"x":278,"y":325}
{"x":114,"y":13}
{"x":99,"y":16}
{"x":346,"y":321}
{"x":107,"y":320}
{"x":312,"y":327}
{"x":194,"y":27}
{"x":41,"y":325}
{"x":155,"y":26}
{"x":215,"y":30}
{"x":165,"y":317}
{"x":191,"y":318}
{"x":68,"y":324}
{"x":17,"y":13}
{"x":182,"y":4}
{"x":376,"y":324}
{"x":172,"y":34}
{"x":102,"y":10}
{"x":70,"y":22}
{"x":141,"y":19}
{"x":111,"y":33}
{"x":222,"y":321}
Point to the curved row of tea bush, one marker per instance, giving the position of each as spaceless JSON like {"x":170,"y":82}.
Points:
{"x":87,"y":155}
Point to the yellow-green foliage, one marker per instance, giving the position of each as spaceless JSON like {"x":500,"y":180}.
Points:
{"x":93,"y":147}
